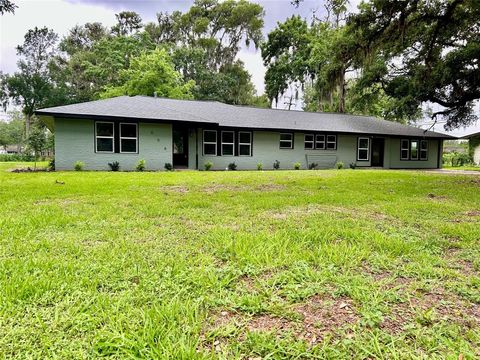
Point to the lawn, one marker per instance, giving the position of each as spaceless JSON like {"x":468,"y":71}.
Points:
{"x":466,"y":167}
{"x":225,"y":265}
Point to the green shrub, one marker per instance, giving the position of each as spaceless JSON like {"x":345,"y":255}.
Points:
{"x":168,"y":167}
{"x":79,"y":166}
{"x":140,"y":165}
{"x":259,"y":166}
{"x":297,"y":166}
{"x":208,"y":165}
{"x":353,"y":165}
{"x":51,"y":165}
{"x":232,"y":166}
{"x":114,"y":166}
{"x":339,"y":165}
{"x":312,"y":166}
{"x":276,"y":165}
{"x":456,"y":159}
{"x":16,"y":157}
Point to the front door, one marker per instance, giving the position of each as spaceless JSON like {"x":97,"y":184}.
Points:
{"x":378,"y":146}
{"x":180,"y":147}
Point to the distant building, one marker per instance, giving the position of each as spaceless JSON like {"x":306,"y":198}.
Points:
{"x":474,"y":146}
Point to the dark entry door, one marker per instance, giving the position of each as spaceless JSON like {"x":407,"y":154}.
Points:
{"x":180,"y":147}
{"x":378,"y":150}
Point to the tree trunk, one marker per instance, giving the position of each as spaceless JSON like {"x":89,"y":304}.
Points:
{"x":341,"y":93}
{"x":28,"y":119}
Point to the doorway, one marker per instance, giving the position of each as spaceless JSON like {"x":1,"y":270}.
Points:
{"x":378,"y":151}
{"x":180,"y":147}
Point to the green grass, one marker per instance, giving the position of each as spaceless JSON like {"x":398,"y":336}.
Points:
{"x":222,"y":265}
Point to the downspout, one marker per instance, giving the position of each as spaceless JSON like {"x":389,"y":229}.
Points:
{"x":440,"y":155}
{"x":196,"y":152}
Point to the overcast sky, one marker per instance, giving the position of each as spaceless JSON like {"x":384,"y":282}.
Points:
{"x":61,"y":15}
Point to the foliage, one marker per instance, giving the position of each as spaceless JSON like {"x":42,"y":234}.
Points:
{"x":259,"y":166}
{"x":312,"y":166}
{"x":168,"y":167}
{"x":339,"y":165}
{"x":11,"y":133}
{"x":79,"y":165}
{"x":208,"y":165}
{"x":37,"y":141}
{"x":51,"y":164}
{"x":16,"y":157}
{"x":232,"y":166}
{"x":297,"y":166}
{"x":276,"y":165}
{"x":114,"y":166}
{"x":353,"y":165}
{"x":457,"y":159}
{"x":421,"y":51}
{"x":154,"y":262}
{"x":151,"y":73}
{"x":128,"y":23}
{"x":141,"y":165}
{"x":7,"y":6}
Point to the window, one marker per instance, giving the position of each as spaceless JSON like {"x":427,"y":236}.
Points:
{"x":404,"y":149}
{"x":320,"y":142}
{"x":104,"y":137}
{"x":309,"y":141}
{"x":331,"y":142}
{"x":286,"y":141}
{"x":363,"y":149}
{"x":424,"y":150}
{"x":209,"y":142}
{"x":245,"y":143}
{"x":128,"y":138}
{"x":228,"y":143}
{"x":414,"y":150}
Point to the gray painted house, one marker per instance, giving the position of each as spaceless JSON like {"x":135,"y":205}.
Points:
{"x":474,"y":146}
{"x":188,"y":134}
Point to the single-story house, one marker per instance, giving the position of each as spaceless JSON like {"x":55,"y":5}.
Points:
{"x":188,"y":134}
{"x":474,"y":146}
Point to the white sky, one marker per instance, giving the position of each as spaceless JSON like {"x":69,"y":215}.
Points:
{"x":62,"y":15}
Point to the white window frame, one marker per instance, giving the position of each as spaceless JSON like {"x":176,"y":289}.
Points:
{"x":363,"y":148}
{"x":424,"y":150}
{"x":105,"y":137}
{"x":290,"y":141}
{"x":209,"y":142}
{"x":128,"y":138}
{"x":418,"y":149}
{"x":312,"y":142}
{"x":334,"y":142}
{"x":322,"y":141}
{"x":225,"y":143}
{"x":249,"y":144}
{"x":407,"y":149}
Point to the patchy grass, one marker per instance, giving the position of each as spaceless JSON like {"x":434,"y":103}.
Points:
{"x":222,"y":265}
{"x":466,"y":167}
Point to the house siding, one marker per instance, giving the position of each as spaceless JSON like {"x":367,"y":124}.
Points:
{"x":75,"y":141}
{"x":431,"y":163}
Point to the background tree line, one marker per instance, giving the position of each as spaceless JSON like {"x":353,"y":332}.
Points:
{"x":387,"y":60}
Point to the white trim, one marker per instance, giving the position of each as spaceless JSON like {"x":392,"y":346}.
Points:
{"x":312,"y":142}
{"x":227,"y":143}
{"x":249,"y":143}
{"x":105,"y":137}
{"x":209,"y":142}
{"x":323,"y":147}
{"x":363,"y":148}
{"x":289,"y":141}
{"x":128,"y":138}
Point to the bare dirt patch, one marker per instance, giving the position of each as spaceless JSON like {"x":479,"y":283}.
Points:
{"x":434,"y":306}
{"x":310,"y":321}
{"x":436,"y":197}
{"x":457,"y":262}
{"x":214,"y":188}
{"x":174,"y":189}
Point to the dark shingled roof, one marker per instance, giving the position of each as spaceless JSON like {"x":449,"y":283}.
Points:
{"x":216,"y":113}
